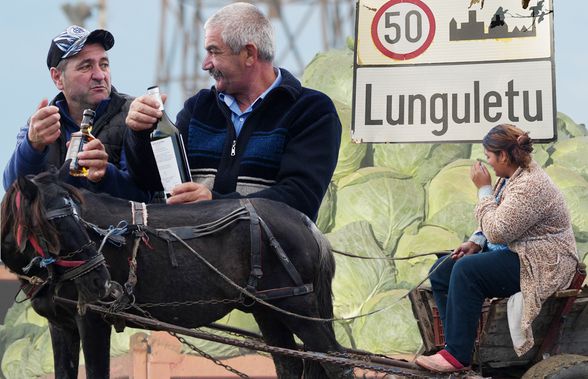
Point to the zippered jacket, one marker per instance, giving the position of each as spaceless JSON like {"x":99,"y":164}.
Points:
{"x":286,"y":151}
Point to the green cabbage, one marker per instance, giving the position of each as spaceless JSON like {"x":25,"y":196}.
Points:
{"x":575,"y":190}
{"x":331,"y":72}
{"x":427,"y":239}
{"x":326,"y":212}
{"x":357,"y":280}
{"x":28,"y":357}
{"x":387,"y":201}
{"x":573,"y":154}
{"x":452,"y":197}
{"x":567,"y":128}
{"x":421,"y":161}
{"x":351,"y":154}
{"x":391,"y":330}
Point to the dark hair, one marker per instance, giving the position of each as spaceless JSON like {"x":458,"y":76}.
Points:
{"x":513,"y":141}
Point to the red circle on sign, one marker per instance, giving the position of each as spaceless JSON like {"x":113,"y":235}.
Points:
{"x":412,"y":54}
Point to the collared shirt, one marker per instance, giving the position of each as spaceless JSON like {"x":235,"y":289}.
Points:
{"x":239,"y":117}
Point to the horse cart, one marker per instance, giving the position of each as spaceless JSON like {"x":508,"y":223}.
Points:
{"x":560,"y":331}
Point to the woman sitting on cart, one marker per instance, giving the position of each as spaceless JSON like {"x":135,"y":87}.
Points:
{"x":525,"y":243}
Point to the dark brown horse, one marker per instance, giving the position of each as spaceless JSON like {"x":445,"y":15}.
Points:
{"x":46,"y":218}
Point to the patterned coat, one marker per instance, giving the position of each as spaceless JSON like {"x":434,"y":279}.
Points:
{"x":532,"y":219}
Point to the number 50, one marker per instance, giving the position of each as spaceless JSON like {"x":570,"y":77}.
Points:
{"x":390,"y":24}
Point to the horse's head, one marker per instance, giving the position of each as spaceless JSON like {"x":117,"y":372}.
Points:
{"x":42,"y":232}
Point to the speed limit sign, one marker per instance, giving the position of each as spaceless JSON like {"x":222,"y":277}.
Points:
{"x":403,"y":29}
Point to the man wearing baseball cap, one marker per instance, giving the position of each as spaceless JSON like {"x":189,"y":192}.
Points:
{"x":80,"y":69}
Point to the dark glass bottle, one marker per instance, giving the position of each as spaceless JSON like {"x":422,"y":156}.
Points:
{"x":77,"y":142}
{"x":168,"y":149}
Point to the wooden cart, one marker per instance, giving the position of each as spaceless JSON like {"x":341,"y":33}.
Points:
{"x":560,"y":332}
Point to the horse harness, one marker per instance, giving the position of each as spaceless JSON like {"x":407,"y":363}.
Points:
{"x":257,"y":228}
{"x":74,"y":268}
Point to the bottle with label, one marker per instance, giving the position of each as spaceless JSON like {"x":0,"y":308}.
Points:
{"x":77,"y":142}
{"x":168,"y":148}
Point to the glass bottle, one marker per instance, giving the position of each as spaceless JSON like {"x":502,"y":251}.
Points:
{"x":168,"y":149}
{"x":77,"y":142}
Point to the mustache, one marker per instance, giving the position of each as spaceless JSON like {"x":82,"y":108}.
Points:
{"x":215,"y":74}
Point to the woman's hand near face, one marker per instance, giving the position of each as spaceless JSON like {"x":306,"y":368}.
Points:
{"x":480,"y":175}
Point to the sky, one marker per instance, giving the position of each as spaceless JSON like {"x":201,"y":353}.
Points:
{"x":27,"y":27}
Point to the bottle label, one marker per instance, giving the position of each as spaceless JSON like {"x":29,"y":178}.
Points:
{"x":73,"y":149}
{"x":167,"y":164}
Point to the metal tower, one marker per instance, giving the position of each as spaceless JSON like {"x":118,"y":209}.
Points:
{"x":303,"y":28}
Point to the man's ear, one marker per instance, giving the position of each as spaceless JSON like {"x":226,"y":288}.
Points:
{"x":57,"y":77}
{"x":251,"y":54}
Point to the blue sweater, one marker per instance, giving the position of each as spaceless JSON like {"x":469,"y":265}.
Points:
{"x":117,"y":181}
{"x":287,"y":150}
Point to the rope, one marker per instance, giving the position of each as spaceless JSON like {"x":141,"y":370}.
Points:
{"x":418,"y":255}
{"x":119,"y":230}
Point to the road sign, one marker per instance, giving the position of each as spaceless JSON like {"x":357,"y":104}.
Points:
{"x":403,"y":30}
{"x":431,"y":71}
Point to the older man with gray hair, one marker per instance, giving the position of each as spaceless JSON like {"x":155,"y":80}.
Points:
{"x":256,"y":133}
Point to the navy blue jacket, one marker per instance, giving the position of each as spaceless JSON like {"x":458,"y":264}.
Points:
{"x":287,"y":150}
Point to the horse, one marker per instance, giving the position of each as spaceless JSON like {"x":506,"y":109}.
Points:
{"x":243,"y":250}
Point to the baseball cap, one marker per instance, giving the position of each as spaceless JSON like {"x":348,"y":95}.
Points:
{"x":72,"y":40}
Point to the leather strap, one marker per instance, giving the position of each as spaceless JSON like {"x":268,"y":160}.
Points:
{"x":283,"y":258}
{"x":138,"y":213}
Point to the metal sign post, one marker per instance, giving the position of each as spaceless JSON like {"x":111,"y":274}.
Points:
{"x":438,"y":71}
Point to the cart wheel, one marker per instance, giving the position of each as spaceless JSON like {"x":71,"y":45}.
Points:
{"x":563,"y":366}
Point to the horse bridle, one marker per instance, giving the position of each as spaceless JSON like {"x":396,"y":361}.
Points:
{"x":76,"y":268}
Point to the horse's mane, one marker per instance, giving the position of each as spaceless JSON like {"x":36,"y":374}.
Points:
{"x":29,"y":214}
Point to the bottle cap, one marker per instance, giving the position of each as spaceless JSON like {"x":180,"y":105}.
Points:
{"x":89,"y":113}
{"x":153,"y":91}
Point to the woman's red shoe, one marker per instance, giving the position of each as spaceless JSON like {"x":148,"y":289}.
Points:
{"x":442,"y":362}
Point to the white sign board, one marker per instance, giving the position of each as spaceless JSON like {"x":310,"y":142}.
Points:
{"x":438,"y":71}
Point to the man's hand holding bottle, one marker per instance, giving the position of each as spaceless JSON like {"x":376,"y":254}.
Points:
{"x":189,"y":193}
{"x":95,"y":158}
{"x":144,"y":113}
{"x":148,"y":113}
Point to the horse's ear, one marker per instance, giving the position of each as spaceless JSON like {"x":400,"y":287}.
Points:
{"x":63,"y":172}
{"x":27,"y":188}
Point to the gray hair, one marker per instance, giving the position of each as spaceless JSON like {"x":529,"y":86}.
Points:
{"x":241,"y":24}
{"x":61,"y":66}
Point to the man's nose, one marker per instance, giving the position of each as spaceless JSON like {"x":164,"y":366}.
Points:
{"x":98,"y":73}
{"x":207,"y":63}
